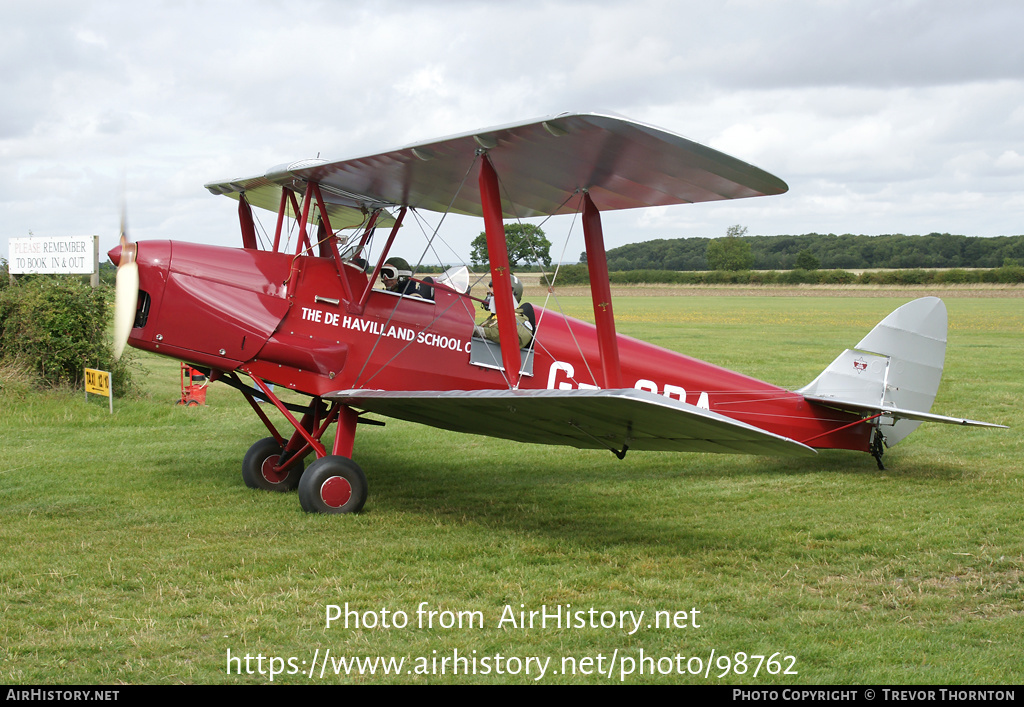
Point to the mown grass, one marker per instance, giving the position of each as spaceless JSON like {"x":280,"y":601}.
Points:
{"x":134,"y":553}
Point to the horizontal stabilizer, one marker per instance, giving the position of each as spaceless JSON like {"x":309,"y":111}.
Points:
{"x":897,"y":413}
{"x":586,"y":419}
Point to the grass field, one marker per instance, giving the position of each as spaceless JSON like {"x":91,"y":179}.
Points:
{"x":134,"y":553}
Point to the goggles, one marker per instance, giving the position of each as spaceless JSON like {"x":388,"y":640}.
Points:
{"x":390,"y":272}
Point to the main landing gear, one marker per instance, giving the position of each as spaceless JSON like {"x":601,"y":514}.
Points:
{"x":265,"y":467}
{"x":333,"y":483}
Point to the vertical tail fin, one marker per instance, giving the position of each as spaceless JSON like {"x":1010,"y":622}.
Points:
{"x":896,"y":369}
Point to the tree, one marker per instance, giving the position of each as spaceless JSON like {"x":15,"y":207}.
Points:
{"x":526,"y":244}
{"x":730,"y":252}
{"x":805,"y":260}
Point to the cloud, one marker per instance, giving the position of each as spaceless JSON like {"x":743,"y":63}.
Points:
{"x":895,"y":116}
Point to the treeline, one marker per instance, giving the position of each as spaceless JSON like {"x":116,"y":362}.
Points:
{"x":1007,"y":274}
{"x":830,"y":252}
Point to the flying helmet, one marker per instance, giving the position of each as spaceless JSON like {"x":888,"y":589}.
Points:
{"x":517,"y":287}
{"x":396,"y":269}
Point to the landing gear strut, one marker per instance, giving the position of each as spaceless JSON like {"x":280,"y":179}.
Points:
{"x":333,"y":483}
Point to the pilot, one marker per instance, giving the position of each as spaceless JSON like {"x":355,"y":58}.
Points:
{"x":488,"y":328}
{"x":396,"y":273}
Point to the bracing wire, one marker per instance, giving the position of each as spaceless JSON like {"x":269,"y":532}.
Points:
{"x":551,"y":286}
{"x":394,"y":309}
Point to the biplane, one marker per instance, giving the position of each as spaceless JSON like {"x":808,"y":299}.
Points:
{"x":314,"y":318}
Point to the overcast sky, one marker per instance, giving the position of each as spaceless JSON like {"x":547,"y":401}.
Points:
{"x":898,"y":116}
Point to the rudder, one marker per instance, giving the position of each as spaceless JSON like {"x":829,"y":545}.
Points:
{"x":898,"y":365}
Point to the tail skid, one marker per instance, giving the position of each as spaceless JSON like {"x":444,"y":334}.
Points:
{"x":894,"y":372}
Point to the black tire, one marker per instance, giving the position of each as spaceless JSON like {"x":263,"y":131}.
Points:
{"x":258,"y":468}
{"x":333,"y":484}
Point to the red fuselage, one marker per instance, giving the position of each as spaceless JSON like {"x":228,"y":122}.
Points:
{"x":290,"y":320}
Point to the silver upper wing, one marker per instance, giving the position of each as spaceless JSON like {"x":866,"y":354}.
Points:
{"x":541,"y":164}
{"x":264,"y":191}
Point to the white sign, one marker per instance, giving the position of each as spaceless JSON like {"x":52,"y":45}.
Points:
{"x":53,"y":255}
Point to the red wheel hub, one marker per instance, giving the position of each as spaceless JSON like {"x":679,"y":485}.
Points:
{"x":274,"y":476}
{"x":336,"y":491}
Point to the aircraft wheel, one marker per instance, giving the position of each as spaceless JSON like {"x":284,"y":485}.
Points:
{"x":258,"y":468}
{"x":333,"y":484}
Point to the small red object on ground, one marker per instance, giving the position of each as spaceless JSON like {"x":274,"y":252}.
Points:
{"x":193,"y":386}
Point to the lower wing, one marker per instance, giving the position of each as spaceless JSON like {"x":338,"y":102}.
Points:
{"x":586,"y":419}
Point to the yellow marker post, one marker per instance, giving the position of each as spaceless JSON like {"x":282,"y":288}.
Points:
{"x":99,"y":383}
